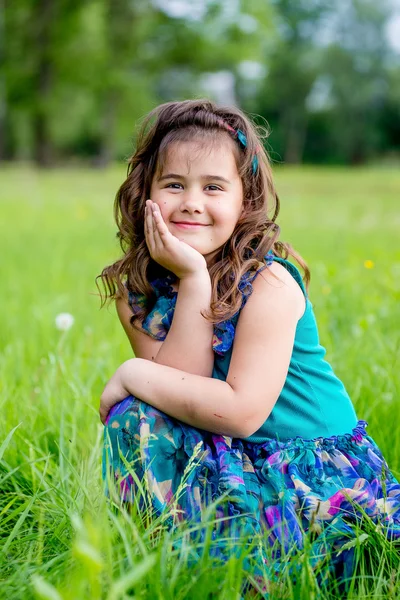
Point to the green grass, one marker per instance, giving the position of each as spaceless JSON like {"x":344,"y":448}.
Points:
{"x":60,"y":539}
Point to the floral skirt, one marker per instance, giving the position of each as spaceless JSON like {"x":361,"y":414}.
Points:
{"x":279,"y":489}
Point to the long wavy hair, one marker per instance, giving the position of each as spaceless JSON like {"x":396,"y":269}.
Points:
{"x":256,"y":231}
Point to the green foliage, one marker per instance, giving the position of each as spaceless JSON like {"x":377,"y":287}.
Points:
{"x":75,"y":77}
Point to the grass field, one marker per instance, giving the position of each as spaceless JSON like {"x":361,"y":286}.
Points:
{"x":60,"y":539}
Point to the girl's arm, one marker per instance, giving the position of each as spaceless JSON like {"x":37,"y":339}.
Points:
{"x":188,"y":345}
{"x":260,"y":361}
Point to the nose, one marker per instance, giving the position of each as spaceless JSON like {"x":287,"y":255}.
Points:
{"x":192,"y":202}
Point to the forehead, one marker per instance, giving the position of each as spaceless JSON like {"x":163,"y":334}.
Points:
{"x":205,"y":156}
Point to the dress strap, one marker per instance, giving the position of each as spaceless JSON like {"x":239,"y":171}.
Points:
{"x":246,"y":282}
{"x":293,"y":270}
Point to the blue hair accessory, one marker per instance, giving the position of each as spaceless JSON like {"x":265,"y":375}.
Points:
{"x":242,"y":141}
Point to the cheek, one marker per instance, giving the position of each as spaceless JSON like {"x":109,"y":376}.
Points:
{"x":226,"y":216}
{"x":156,"y":195}
{"x":154,"y":192}
{"x":165,"y":210}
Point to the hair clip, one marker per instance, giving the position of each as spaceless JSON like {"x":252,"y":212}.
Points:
{"x":243,"y":142}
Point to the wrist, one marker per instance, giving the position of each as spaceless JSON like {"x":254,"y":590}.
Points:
{"x":200,"y":275}
{"x":197,"y":285}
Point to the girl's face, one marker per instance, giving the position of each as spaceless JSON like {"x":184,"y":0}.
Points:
{"x":200,"y":195}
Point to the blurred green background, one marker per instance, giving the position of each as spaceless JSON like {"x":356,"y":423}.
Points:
{"x":76,"y":75}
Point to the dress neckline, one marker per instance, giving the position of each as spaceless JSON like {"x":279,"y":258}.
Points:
{"x":163,"y":285}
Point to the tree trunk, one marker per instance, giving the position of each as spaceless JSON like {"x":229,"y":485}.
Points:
{"x":294,"y":128}
{"x":44,"y":18}
{"x":3,"y":91}
{"x":106,"y":149}
{"x":120,"y":32}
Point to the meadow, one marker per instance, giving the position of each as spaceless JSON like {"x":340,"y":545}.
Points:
{"x":60,"y":539}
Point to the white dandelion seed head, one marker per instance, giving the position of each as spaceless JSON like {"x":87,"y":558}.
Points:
{"x":64,"y":321}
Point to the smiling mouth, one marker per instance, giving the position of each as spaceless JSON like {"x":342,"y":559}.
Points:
{"x":187,"y":225}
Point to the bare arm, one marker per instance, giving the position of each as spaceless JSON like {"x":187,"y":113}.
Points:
{"x":257,"y":373}
{"x":188,"y":345}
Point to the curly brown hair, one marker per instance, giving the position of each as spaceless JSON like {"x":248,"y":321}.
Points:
{"x":254,"y":235}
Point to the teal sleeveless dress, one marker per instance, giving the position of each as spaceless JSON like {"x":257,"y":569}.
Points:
{"x":310,"y":465}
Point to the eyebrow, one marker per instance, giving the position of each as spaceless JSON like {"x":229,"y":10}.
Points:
{"x":176,"y":176}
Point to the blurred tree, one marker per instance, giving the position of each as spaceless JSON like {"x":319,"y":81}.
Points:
{"x":70,"y":68}
{"x":14,"y":81}
{"x":121,"y":34}
{"x":388,"y":120}
{"x":36,"y":33}
{"x":76,"y":75}
{"x":294,"y":64}
{"x":215,"y":39}
{"x":3,"y":96}
{"x":129,"y":30}
{"x":356,"y":64}
{"x":338,"y":57}
{"x":43,"y":19}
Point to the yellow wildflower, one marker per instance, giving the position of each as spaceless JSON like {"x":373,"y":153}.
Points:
{"x":368,"y":264}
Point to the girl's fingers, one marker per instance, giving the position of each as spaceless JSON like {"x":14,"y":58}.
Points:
{"x":149,"y":231}
{"x":156,"y":231}
{"x":157,"y":240}
{"x":145,"y":223}
{"x":160,"y":229}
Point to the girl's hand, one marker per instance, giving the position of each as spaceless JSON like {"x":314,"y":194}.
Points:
{"x":113,"y":392}
{"x":166,"y":249}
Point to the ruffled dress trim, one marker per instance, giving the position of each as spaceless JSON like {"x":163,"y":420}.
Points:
{"x":324,"y":443}
{"x":159,"y":320}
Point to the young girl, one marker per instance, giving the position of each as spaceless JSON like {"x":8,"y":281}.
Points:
{"x":227,"y":348}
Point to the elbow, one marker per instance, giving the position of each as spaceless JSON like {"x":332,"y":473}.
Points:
{"x":246,"y":430}
{"x":249,"y":417}
{"x":251,"y":422}
{"x":246,"y":426}
{"x":250,"y":428}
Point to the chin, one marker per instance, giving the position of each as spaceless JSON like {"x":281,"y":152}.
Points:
{"x":194,"y":244}
{"x":200,"y":249}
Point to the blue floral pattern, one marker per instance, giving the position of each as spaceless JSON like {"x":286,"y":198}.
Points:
{"x":159,"y":320}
